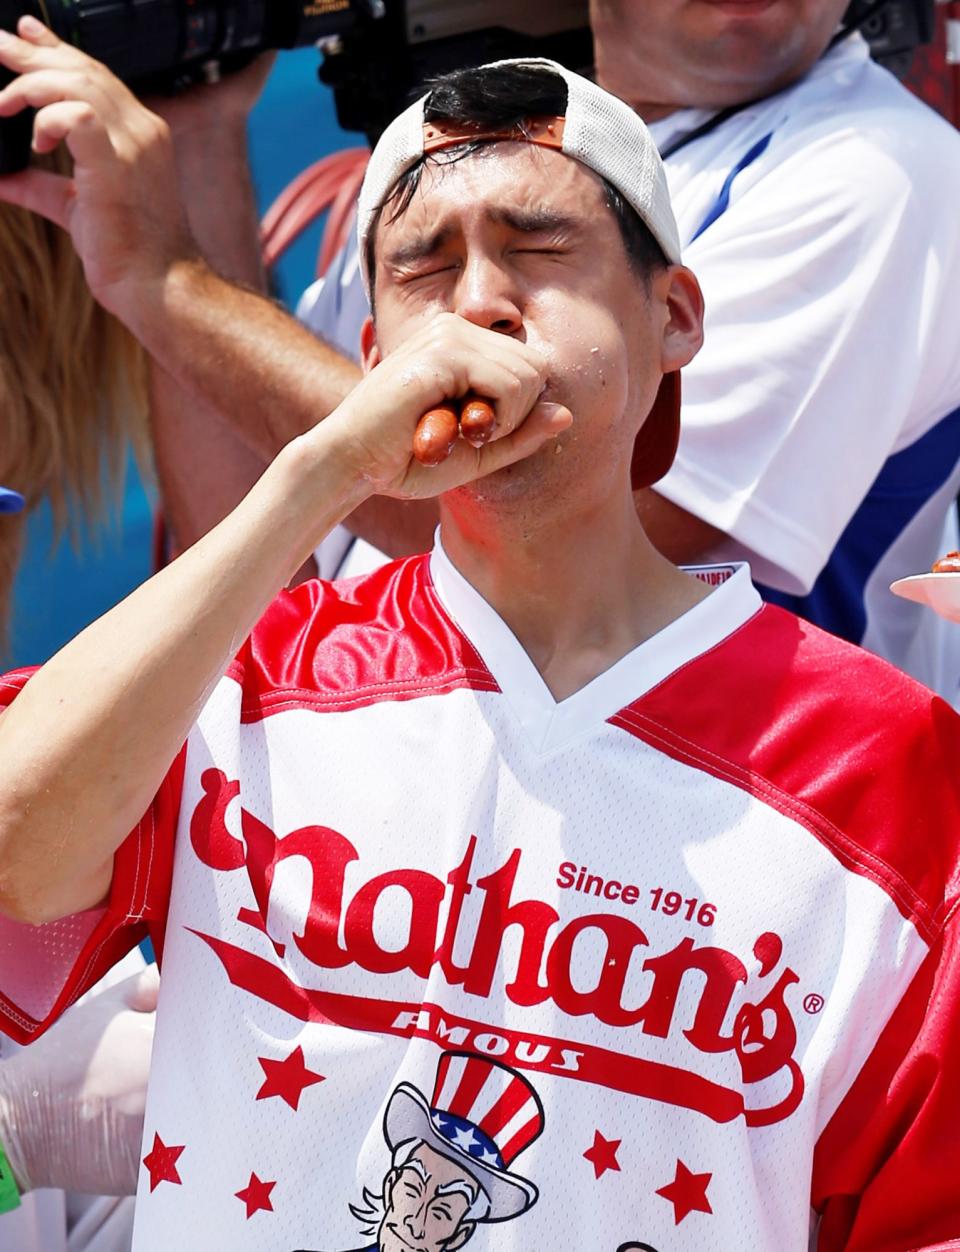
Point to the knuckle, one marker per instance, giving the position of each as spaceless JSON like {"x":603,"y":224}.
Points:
{"x":436,"y":332}
{"x":537,"y":362}
{"x":157,"y":132}
{"x":513,"y":387}
{"x":530,"y":374}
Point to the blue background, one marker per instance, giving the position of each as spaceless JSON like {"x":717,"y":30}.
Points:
{"x":59,"y":590}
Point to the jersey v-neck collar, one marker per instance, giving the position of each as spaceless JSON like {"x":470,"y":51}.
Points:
{"x":550,"y":724}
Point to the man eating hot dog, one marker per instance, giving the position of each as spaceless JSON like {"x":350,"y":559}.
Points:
{"x":533,"y":893}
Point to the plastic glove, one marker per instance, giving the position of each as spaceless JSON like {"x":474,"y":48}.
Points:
{"x":71,"y":1104}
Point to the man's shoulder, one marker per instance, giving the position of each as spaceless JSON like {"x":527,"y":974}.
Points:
{"x":789,"y":671}
{"x":870,"y":115}
{"x":864,"y":757}
{"x":336,"y":646}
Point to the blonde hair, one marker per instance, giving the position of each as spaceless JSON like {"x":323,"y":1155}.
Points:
{"x":73,"y":385}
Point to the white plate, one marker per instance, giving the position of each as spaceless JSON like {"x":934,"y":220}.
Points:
{"x":941,"y":592}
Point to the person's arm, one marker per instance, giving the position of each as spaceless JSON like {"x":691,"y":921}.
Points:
{"x":85,"y":746}
{"x":203,"y":465}
{"x":208,"y":458}
{"x":125,"y":692}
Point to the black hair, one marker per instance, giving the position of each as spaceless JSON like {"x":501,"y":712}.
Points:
{"x":498,"y":98}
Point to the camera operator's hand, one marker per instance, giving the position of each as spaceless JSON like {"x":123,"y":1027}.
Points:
{"x":442,"y":361}
{"x":121,"y":207}
{"x":71,"y":1105}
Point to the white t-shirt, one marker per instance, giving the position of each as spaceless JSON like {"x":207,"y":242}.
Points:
{"x":821,"y":420}
{"x":649,"y":966}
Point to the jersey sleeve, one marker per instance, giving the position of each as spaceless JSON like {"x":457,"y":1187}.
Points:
{"x":830,"y":284}
{"x":44,"y":969}
{"x":886,"y":1166}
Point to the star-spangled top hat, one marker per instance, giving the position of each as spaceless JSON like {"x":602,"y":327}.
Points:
{"x":482,"y":1113}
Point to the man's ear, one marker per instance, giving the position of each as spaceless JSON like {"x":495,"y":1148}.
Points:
{"x":678,"y":290}
{"x":369,"y":350}
{"x":463,"y":1233}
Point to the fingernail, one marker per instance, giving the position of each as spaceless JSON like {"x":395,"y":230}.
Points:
{"x":30,"y":26}
{"x":5,"y":38}
{"x":556,"y":414}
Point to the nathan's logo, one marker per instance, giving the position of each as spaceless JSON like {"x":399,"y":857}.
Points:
{"x":762,"y":1034}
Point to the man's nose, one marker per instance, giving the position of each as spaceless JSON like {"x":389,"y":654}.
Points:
{"x":416,"y":1222}
{"x":486,"y":295}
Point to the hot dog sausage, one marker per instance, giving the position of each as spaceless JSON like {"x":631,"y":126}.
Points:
{"x":436,"y":434}
{"x":478,"y":419}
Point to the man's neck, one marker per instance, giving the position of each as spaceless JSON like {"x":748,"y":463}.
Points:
{"x":578,"y":591}
{"x":623,"y":75}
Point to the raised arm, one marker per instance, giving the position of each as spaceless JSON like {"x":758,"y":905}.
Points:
{"x":208,"y":457}
{"x":85,"y":746}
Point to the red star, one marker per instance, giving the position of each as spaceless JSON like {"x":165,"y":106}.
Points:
{"x":687,"y":1192}
{"x":287,"y":1079}
{"x":603,"y":1155}
{"x":256,"y":1196}
{"x":161,"y":1161}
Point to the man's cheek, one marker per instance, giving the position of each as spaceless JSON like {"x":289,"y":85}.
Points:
{"x":402,"y":315}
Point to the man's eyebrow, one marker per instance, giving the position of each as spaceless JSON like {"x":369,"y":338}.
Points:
{"x":524,"y":221}
{"x":417,"y":1166}
{"x":536,"y":221}
{"x":419,"y":248}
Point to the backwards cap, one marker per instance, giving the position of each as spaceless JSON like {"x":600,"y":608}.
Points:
{"x":598,"y":130}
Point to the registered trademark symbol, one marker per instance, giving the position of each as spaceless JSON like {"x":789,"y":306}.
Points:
{"x":813,"y":1003}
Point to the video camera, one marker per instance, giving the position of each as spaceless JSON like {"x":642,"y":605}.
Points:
{"x":377,"y":53}
{"x":893,"y":28}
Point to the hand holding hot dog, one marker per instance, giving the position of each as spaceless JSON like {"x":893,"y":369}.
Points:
{"x":407,"y":428}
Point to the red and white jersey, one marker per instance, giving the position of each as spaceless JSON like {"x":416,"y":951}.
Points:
{"x":666,"y":965}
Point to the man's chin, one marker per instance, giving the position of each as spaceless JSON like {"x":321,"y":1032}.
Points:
{"x":390,"y":1241}
{"x":521,"y":481}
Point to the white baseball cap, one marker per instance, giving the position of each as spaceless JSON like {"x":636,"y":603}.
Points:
{"x":600,"y":131}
